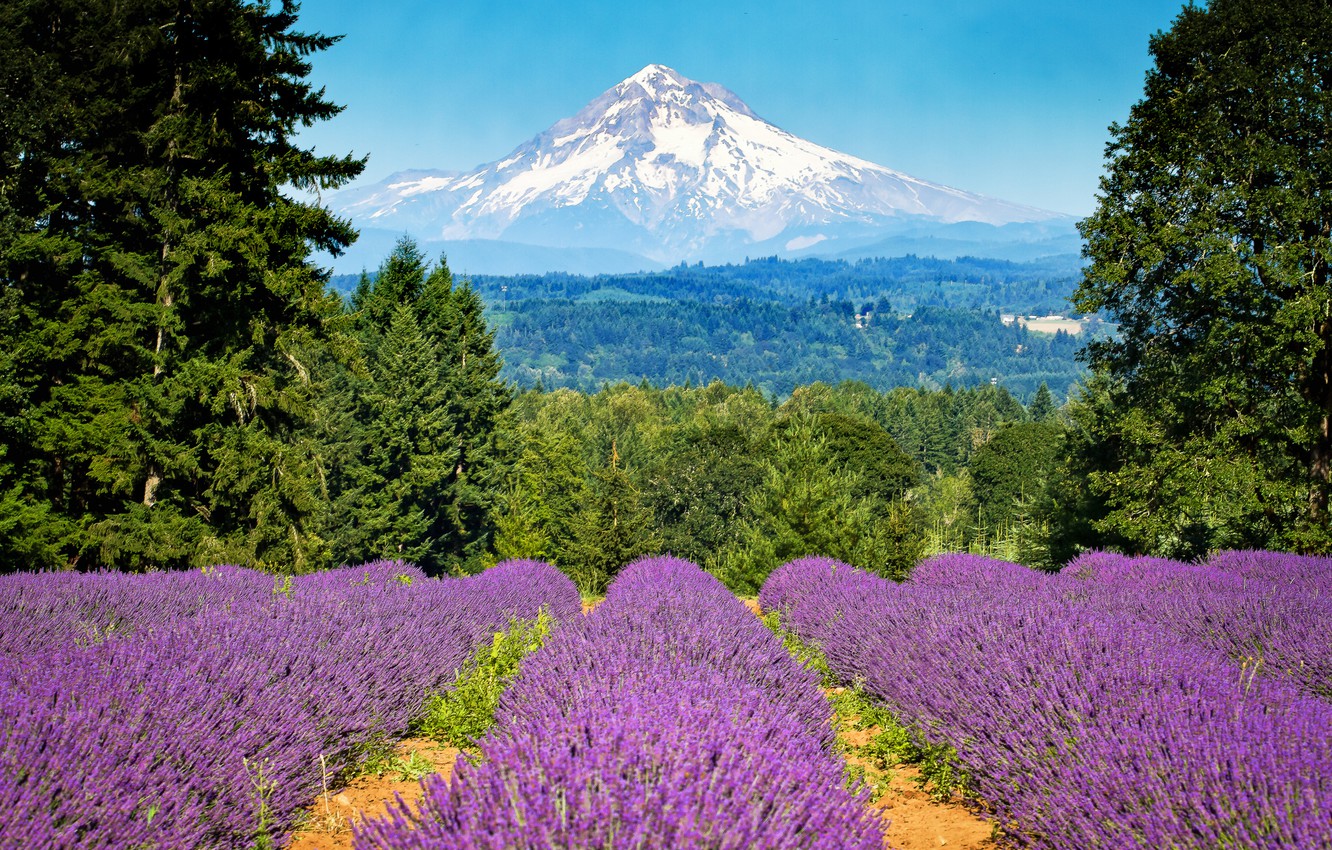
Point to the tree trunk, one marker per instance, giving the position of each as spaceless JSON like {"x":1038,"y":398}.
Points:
{"x":1320,"y":456}
{"x":1320,"y":386}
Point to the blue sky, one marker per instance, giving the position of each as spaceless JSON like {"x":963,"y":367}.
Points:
{"x":1010,"y":99}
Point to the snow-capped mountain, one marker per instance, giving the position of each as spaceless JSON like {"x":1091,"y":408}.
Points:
{"x":672,"y":169}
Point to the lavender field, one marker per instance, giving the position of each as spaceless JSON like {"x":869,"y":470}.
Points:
{"x":1121,"y":703}
{"x":1118,"y":703}
{"x":183,"y":710}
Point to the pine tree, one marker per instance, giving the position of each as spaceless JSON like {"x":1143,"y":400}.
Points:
{"x":412,"y":452}
{"x":1042,"y":406}
{"x":613,"y":529}
{"x":478,"y":403}
{"x":808,"y":506}
{"x":160,"y":299}
{"x":547,"y":489}
{"x":451,"y":379}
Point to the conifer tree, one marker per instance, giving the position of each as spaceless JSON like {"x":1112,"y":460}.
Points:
{"x":547,"y":489}
{"x":158,"y":294}
{"x":613,"y":529}
{"x":437,"y":376}
{"x":478,"y":403}
{"x":411,"y":450}
{"x":1042,"y":406}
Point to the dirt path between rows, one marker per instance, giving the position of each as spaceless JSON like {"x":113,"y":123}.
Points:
{"x":329,"y":821}
{"x":915,"y":821}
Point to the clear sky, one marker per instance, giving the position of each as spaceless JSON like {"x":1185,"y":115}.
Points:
{"x":1010,"y":99}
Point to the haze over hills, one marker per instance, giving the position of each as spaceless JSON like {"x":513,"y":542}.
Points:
{"x":661,"y":169}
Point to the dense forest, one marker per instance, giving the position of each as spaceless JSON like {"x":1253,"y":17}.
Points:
{"x":181,"y":386}
{"x":780,"y":324}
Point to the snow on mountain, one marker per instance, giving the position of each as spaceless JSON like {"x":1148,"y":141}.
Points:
{"x":674,"y":170}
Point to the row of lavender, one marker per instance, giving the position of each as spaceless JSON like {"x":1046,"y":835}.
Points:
{"x":192,"y":710}
{"x":1121,"y":703}
{"x":669,"y":717}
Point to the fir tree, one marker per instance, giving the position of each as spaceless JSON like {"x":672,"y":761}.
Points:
{"x":1042,"y":406}
{"x":439,"y":371}
{"x":159,"y":298}
{"x":613,"y":529}
{"x":478,"y":403}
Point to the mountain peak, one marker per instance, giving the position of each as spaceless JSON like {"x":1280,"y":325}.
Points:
{"x":655,"y":77}
{"x":674,"y":169}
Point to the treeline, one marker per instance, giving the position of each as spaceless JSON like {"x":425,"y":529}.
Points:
{"x":179,"y":387}
{"x":722,"y":476}
{"x":780,"y":324}
{"x":775,"y":347}
{"x":904,"y":284}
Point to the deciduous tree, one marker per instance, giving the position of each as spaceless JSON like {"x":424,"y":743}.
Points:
{"x":1210,"y":247}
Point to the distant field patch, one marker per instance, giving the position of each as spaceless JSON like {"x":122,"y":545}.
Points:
{"x":1046,"y":324}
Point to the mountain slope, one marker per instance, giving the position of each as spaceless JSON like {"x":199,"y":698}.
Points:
{"x":672,"y":170}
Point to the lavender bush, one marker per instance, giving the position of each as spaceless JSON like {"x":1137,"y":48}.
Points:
{"x":1084,"y":720}
{"x":669,"y":718}
{"x":1269,"y":612}
{"x":191,"y":710}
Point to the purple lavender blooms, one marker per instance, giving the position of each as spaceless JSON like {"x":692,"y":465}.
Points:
{"x":1269,"y":612}
{"x":670,"y":717}
{"x":190,"y":710}
{"x":1101,"y":707}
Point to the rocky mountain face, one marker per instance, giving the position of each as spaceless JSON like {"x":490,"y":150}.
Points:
{"x":668,"y":169}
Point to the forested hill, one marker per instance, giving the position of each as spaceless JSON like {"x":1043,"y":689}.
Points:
{"x":779,"y":324}
{"x":1041,"y":286}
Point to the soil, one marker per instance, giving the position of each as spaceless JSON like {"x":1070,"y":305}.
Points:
{"x":914,"y":821}
{"x":329,"y":821}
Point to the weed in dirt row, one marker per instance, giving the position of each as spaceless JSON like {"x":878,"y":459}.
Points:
{"x":894,"y":742}
{"x":459,"y":716}
{"x":407,"y":769}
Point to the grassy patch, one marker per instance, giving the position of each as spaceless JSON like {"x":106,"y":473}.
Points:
{"x":891,"y":743}
{"x":459,"y":716}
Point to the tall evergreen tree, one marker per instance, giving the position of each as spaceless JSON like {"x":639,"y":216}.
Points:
{"x":1042,"y":406}
{"x":1210,"y":247}
{"x":411,"y":448}
{"x":160,"y":305}
{"x":479,"y":405}
{"x":437,"y":376}
{"x":613,"y":528}
{"x":547,"y":489}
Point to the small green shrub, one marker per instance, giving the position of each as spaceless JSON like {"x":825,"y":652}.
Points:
{"x":406,"y":769}
{"x":462,"y":714}
{"x":941,"y":774}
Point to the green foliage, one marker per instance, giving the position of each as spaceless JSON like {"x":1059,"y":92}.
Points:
{"x":422,"y":427}
{"x":777,"y":347}
{"x":384,"y":760}
{"x":611,"y":530}
{"x":1014,"y":468}
{"x":810,"y":503}
{"x":718,"y":475}
{"x":1042,"y":407}
{"x":158,"y":309}
{"x":1210,"y":247}
{"x":701,"y":485}
{"x":459,"y":716}
{"x":263,"y":788}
